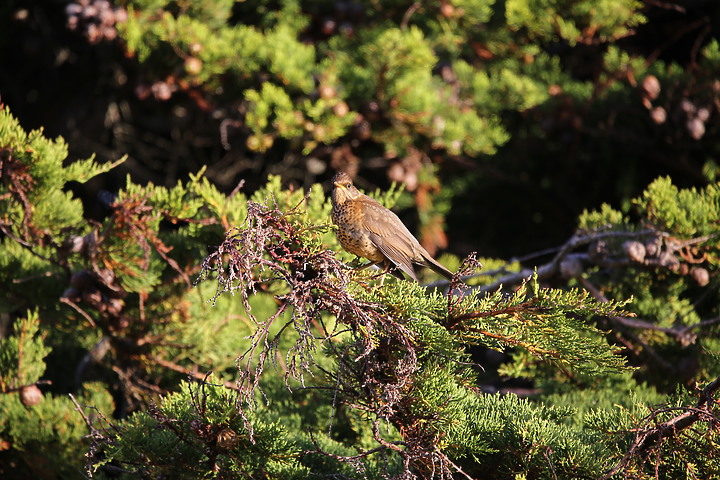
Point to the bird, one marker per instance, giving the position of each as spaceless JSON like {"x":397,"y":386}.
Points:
{"x":369,"y":230}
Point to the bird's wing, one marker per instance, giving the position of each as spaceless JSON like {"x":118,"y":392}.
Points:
{"x":389,"y":234}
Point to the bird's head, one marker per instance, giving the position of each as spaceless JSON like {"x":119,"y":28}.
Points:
{"x":343,"y":188}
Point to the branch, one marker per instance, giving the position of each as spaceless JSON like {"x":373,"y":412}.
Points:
{"x":17,"y":389}
{"x":702,"y":411}
{"x":77,"y":308}
{"x":197,"y":376}
{"x":650,"y":438}
{"x":552,"y":268}
{"x":353,"y":460}
{"x":682,"y":334}
{"x":666,"y":5}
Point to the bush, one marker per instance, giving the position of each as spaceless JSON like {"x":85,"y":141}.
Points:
{"x":124,"y":288}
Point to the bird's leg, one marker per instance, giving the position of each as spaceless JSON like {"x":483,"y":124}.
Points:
{"x":382,"y":273}
{"x":367,"y":266}
{"x":389,"y":267}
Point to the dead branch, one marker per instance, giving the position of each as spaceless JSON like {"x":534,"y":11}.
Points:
{"x":650,"y":435}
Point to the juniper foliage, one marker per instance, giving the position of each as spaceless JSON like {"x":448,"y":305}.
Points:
{"x":598,"y":362}
{"x":369,"y":381}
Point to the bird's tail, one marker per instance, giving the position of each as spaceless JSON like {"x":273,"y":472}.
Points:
{"x":435,"y":266}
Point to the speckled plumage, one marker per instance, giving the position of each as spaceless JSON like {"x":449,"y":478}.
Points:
{"x":369,"y":230}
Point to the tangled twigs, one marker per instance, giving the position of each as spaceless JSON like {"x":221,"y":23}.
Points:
{"x":648,"y":438}
{"x":651,"y":435}
{"x":375,"y":370}
{"x":97,"y":436}
{"x":272,"y":246}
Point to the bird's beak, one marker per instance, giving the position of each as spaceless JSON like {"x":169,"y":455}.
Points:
{"x":338,"y":185}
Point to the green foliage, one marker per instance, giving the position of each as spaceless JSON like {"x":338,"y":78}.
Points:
{"x":390,"y":81}
{"x":682,"y":212}
{"x":40,"y":429}
{"x":22,"y":354}
{"x":686,"y":213}
{"x":320,"y":370}
{"x":199,"y":430}
{"x":39,"y":177}
{"x":337,"y":375}
{"x":415,"y":348}
{"x":666,"y":250}
{"x":125,"y":305}
{"x":581,"y":21}
{"x":46,"y":440}
{"x":393,"y":66}
{"x":550,"y":324}
{"x":398,"y":63}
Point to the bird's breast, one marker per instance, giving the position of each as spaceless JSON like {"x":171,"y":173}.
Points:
{"x":351,"y":234}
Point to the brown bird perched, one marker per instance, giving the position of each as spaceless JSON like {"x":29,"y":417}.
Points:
{"x":369,"y":230}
